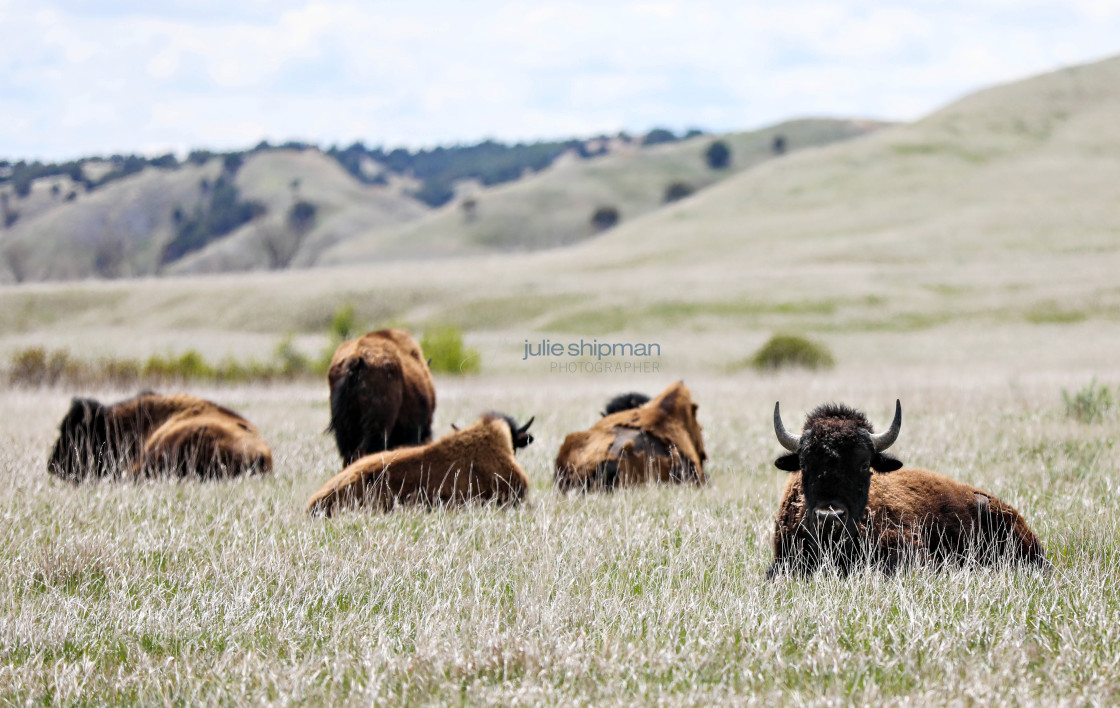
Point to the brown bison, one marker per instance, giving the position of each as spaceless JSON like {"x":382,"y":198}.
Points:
{"x":473,"y":464}
{"x":154,"y":434}
{"x":382,"y":395}
{"x":851,"y":503}
{"x":655,"y":441}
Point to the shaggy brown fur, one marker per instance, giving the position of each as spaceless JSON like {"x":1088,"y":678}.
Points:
{"x":834,"y":506}
{"x":154,"y":434}
{"x":659,"y":441}
{"x":382,"y":394}
{"x":473,"y":464}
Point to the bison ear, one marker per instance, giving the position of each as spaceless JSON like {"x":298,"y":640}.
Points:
{"x":885,"y":463}
{"x":788,"y":463}
{"x":669,"y":403}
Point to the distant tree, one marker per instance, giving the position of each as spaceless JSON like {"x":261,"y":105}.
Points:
{"x":232,"y":162}
{"x":55,"y":190}
{"x":624,"y":136}
{"x":167,"y":162}
{"x":71,"y":195}
{"x":204,"y":185}
{"x":294,"y":185}
{"x":21,"y":183}
{"x":778,"y":147}
{"x":199,"y":157}
{"x":693,"y":133}
{"x":470,"y":209}
{"x":659,"y":135}
{"x":676,"y":191}
{"x":11,"y":216}
{"x":301,"y":216}
{"x":109,"y":256}
{"x":718,"y":155}
{"x":17,"y":257}
{"x":604,"y":218}
{"x":434,"y":194}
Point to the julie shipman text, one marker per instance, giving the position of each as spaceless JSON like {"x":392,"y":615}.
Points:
{"x":594,"y":348}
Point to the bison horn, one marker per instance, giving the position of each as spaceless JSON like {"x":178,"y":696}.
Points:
{"x":525,"y":427}
{"x":882,"y":441}
{"x":788,"y":440}
{"x":455,"y":427}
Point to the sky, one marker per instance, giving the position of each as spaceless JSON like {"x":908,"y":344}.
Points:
{"x":83,"y":77}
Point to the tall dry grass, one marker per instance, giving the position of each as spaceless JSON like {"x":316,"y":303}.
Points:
{"x":166,"y":592}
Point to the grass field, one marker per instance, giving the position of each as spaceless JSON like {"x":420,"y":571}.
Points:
{"x":965,"y":264}
{"x":188,"y":592}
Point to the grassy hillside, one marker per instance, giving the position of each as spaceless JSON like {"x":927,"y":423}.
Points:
{"x":121,"y":229}
{"x":279,"y":178}
{"x":985,"y":230}
{"x":554,"y":208}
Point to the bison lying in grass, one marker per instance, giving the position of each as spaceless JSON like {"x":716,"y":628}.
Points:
{"x":850,"y":502}
{"x":382,"y":395}
{"x":654,"y":441}
{"x":154,"y":434}
{"x":473,"y":464}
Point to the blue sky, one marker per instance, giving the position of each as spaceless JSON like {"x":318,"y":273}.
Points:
{"x":81,"y":78}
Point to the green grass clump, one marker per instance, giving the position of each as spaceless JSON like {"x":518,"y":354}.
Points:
{"x":1090,"y":404}
{"x":443,"y":345}
{"x":787,"y":350}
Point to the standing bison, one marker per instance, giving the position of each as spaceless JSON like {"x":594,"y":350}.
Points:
{"x":382,"y":395}
{"x":636,"y":442}
{"x":153,"y":434}
{"x":473,"y":464}
{"x":850,"y":502}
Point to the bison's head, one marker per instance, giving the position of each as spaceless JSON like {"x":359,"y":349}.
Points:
{"x":836,"y":453}
{"x":82,"y":447}
{"x":624,"y":402}
{"x":676,"y":402}
{"x":518,"y":435}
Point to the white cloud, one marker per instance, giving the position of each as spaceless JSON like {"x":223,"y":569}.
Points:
{"x":223,"y":74}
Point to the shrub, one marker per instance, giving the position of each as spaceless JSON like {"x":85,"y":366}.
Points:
{"x":604,"y":217}
{"x":301,"y":216}
{"x":38,"y":367}
{"x":292,"y":362}
{"x":787,"y":350}
{"x":1090,"y":404}
{"x":658,"y":136}
{"x":677,"y":191}
{"x":778,"y":147}
{"x":718,"y":155}
{"x":444,"y":346}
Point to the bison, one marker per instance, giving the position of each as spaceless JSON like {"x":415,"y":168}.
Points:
{"x":658,"y":440}
{"x":850,"y":502}
{"x":624,"y":402}
{"x":382,"y":395}
{"x":476,"y":463}
{"x":152,"y":434}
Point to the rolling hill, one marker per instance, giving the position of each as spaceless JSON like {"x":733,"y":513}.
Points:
{"x":553,"y":208}
{"x":985,"y":235}
{"x":122,"y":229}
{"x":135,"y":226}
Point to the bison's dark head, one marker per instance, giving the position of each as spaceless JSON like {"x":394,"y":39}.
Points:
{"x":836,"y":453}
{"x":625,"y":402}
{"x":82,"y":447}
{"x":519,"y":435}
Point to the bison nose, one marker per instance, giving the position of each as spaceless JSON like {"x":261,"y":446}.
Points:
{"x":829,"y":515}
